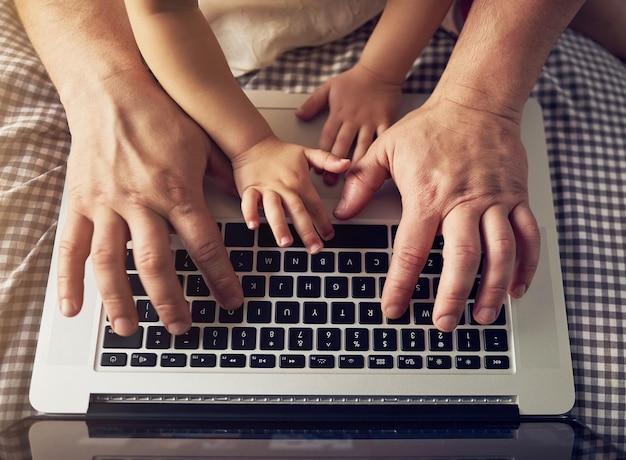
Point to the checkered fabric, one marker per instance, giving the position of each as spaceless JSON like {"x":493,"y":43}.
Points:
{"x":582,"y":90}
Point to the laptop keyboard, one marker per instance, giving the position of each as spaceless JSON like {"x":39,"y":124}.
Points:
{"x":306,"y":312}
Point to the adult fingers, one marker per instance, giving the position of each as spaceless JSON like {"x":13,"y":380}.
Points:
{"x":108,"y":255}
{"x":155,"y":265}
{"x":411,"y":249}
{"x":499,"y":251}
{"x":74,"y":249}
{"x":461,"y":254}
{"x":201,"y":236}
{"x":528,"y":240}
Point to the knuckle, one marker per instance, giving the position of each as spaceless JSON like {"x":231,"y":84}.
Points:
{"x":152,"y":262}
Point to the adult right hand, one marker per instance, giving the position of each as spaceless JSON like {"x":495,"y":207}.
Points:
{"x":136,"y":166}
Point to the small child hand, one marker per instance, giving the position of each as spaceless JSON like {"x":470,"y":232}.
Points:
{"x":274,"y":175}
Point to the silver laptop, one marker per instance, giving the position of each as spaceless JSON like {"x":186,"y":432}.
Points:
{"x":309,"y":342}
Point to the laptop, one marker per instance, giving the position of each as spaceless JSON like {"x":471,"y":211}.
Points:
{"x":309,"y":344}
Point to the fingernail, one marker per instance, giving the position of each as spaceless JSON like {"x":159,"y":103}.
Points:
{"x":123,"y":326}
{"x":178,"y":328}
{"x":67,"y":308}
{"x":486,"y":316}
{"x":447,"y":323}
{"x":519,"y":291}
{"x":316,"y":248}
{"x":284,"y":241}
{"x":393,"y":312}
{"x":232,"y":304}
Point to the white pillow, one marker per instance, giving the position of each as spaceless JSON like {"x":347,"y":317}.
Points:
{"x":252,"y":33}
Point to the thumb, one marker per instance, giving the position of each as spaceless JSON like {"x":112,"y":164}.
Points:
{"x":317,"y":102}
{"x":363,"y":179}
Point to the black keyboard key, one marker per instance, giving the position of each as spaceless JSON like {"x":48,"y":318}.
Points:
{"x":323,"y":262}
{"x":292,"y":361}
{"x":497,"y":362}
{"x":328,"y":339}
{"x":262,"y":361}
{"x":363,"y":287}
{"x":268,"y":261}
{"x":354,"y":236}
{"x":434,"y":263}
{"x":183,"y":262}
{"x":190,"y":340}
{"x":158,"y":338}
{"x":385,"y":340}
{"x":380,"y":362}
{"x":321,"y":361}
{"x":468,"y":362}
{"x":112,"y":340}
{"x":342,"y":313}
{"x":422,"y":289}
{"x":412,"y":340}
{"x":351,"y":362}
{"x":287,"y":312}
{"x":196,"y":287}
{"x":281,"y":286}
{"x":203,"y":311}
{"x":143,"y":359}
{"x":496,"y":340}
{"x":215,"y":338}
{"x":130,"y":260}
{"x":300,"y":338}
{"x":242,"y":261}
{"x":467,"y":340}
{"x":404,"y":319}
{"x":259,"y":311}
{"x":349,"y":262}
{"x":203,"y":360}
{"x":238,"y":235}
{"x":272,"y":338}
{"x":114,"y":359}
{"x":315,"y":313}
{"x":232,"y":360}
{"x":295,"y":261}
{"x":267,"y":240}
{"x":370,"y":313}
{"x":376,"y":262}
{"x":439,"y":362}
{"x":231,"y":316}
{"x":136,"y":286}
{"x":173,"y":360}
{"x":336,"y":287}
{"x":439,"y":341}
{"x":243,"y":338}
{"x":146,"y":312}
{"x":357,"y":339}
{"x":253,"y":286}
{"x":410,"y":362}
{"x":423,"y":313}
{"x":309,"y":287}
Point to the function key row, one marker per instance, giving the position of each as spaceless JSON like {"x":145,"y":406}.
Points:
{"x":298,"y":361}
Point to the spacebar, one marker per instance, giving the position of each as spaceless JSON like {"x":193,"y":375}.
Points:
{"x":356,"y":236}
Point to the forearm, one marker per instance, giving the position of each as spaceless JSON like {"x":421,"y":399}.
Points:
{"x":184,"y":55}
{"x":84,"y":44}
{"x":501,"y":51}
{"x":401,"y":34}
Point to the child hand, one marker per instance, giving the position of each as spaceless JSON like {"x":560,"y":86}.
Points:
{"x":362,"y":105}
{"x":274,"y":175}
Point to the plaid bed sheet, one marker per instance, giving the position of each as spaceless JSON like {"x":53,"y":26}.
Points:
{"x":582,"y":90}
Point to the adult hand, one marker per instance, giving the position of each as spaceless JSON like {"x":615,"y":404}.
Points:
{"x":461,"y":171}
{"x":136,"y":166}
{"x":361,"y":105}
